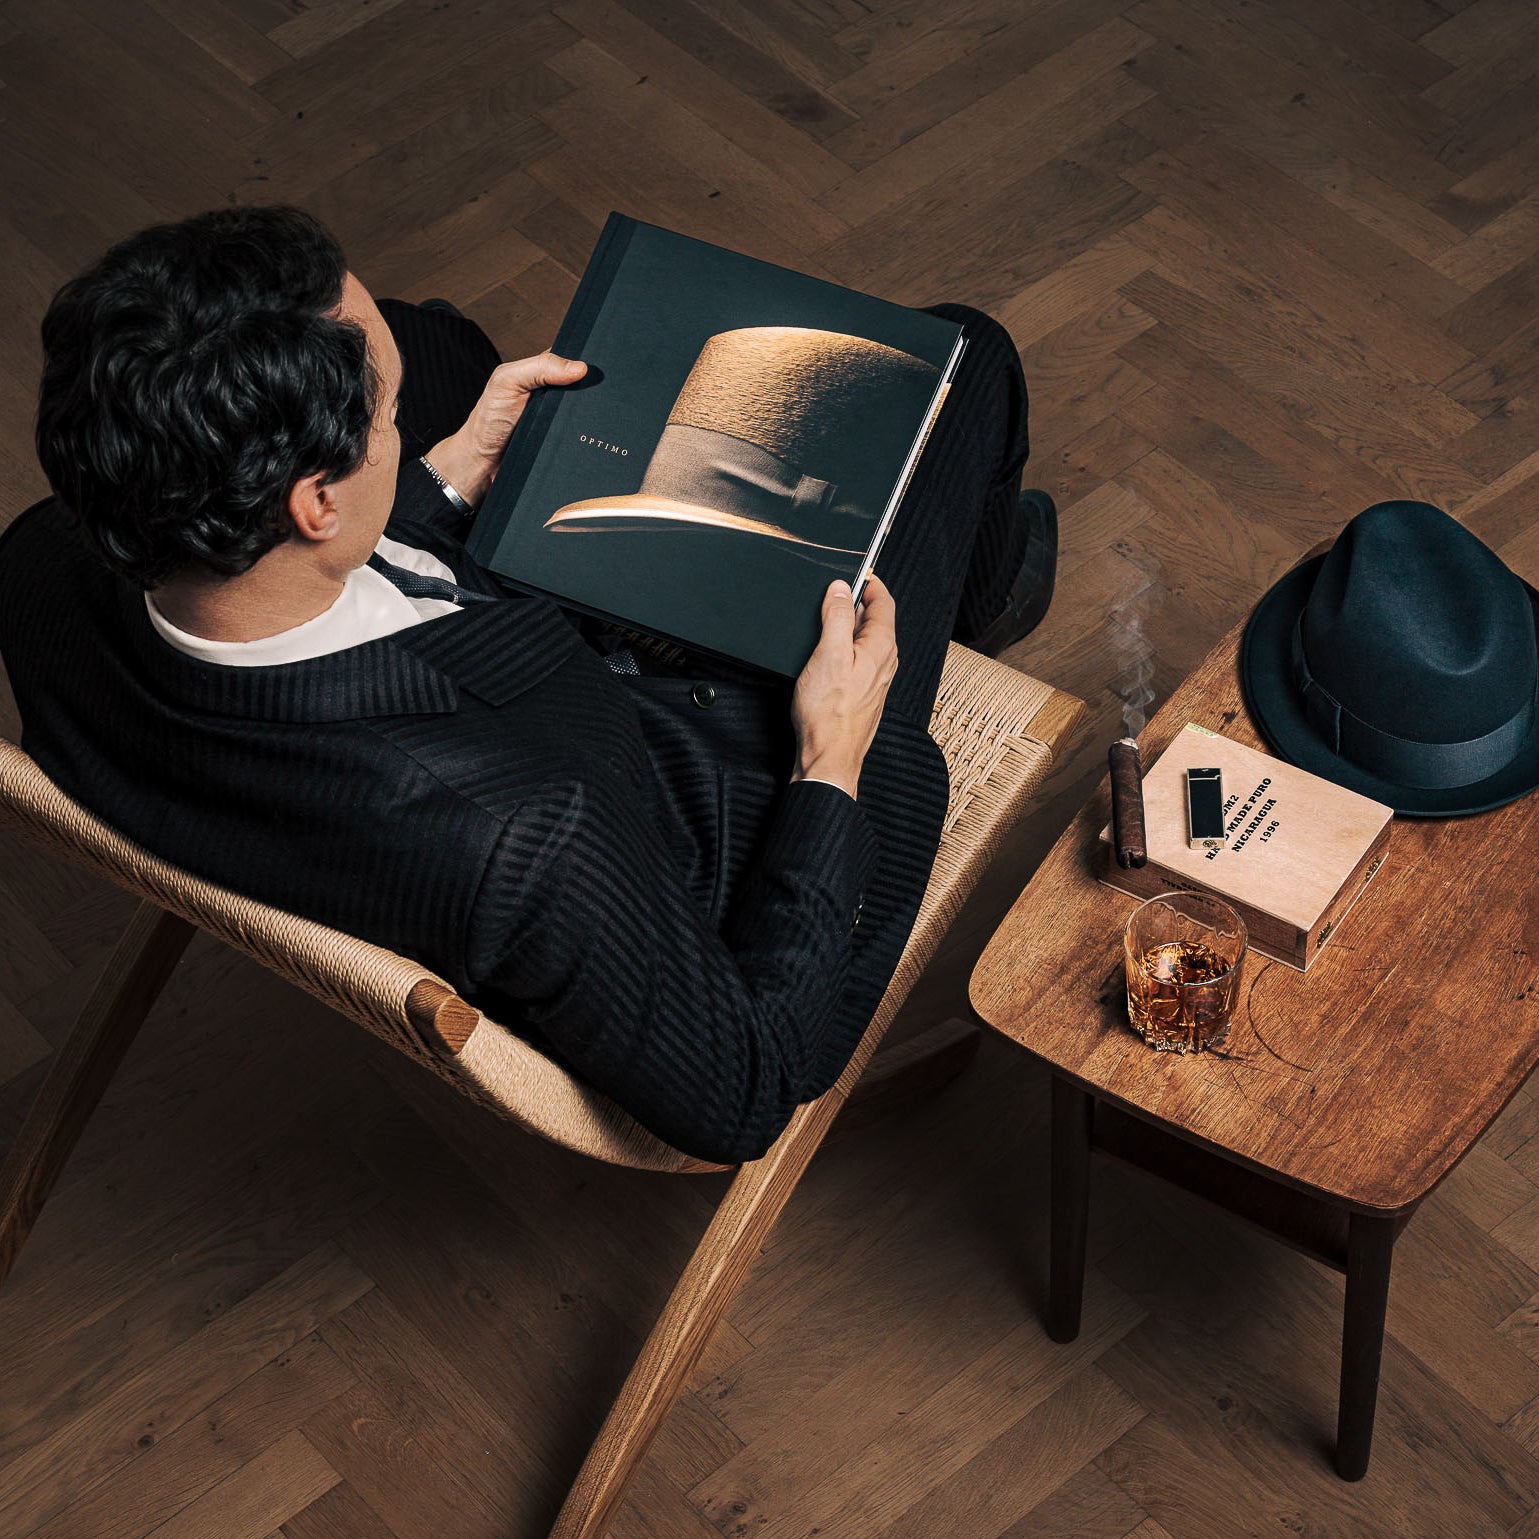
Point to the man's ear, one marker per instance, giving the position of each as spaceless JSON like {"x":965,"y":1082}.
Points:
{"x":313,"y":507}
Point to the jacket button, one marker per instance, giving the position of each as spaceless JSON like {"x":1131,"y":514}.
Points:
{"x":703,"y":695}
{"x":860,"y":903}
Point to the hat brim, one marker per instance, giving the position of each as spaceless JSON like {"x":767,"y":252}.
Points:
{"x":1276,"y":707}
{"x":634,"y":514}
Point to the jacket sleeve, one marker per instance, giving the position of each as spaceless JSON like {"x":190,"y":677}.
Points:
{"x":420,"y":500}
{"x":709,"y":1040}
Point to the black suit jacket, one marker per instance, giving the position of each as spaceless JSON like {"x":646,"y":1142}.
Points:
{"x":614,"y":867}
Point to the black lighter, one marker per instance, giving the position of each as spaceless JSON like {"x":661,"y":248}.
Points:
{"x":1204,"y":809}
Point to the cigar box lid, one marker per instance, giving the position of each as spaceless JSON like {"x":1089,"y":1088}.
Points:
{"x":1293,"y":838}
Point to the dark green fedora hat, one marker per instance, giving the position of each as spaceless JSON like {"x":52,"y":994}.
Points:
{"x":1401,"y":664}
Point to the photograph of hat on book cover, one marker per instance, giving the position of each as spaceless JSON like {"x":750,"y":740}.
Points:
{"x":743,"y":437}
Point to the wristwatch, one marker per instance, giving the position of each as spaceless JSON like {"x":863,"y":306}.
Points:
{"x":454,"y":497}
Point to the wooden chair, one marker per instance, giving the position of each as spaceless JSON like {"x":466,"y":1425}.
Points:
{"x":999,"y":730}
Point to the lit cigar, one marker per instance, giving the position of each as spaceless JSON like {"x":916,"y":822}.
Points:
{"x":1127,"y":798}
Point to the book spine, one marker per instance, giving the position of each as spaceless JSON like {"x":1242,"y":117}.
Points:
{"x":531,"y":428}
{"x":920,"y":442}
{"x":895,"y":501}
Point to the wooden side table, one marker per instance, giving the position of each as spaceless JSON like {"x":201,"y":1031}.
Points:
{"x":1342,"y":1096}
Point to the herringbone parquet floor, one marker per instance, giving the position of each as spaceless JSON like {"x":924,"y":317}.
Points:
{"x":1268,"y":261}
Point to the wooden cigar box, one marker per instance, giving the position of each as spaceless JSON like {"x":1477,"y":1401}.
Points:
{"x":1298,"y":854}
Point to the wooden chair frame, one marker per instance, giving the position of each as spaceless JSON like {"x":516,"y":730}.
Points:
{"x":999,"y":730}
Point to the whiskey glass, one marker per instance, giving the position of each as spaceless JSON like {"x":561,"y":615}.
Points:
{"x":1184,"y":952}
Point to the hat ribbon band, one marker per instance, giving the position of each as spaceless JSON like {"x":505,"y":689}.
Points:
{"x":1405,"y":761}
{"x":719,"y":470}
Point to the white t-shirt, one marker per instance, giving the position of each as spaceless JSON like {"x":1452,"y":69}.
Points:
{"x":368,"y":607}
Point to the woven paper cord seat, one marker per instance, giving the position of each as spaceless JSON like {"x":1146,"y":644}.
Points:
{"x":998,"y":730}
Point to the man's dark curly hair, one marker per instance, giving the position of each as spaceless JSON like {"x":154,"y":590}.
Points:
{"x":191,"y":377}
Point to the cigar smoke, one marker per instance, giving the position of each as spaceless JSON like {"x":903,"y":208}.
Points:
{"x":1134,"y":653}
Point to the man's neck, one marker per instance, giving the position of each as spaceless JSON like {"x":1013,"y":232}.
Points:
{"x":287,"y":587}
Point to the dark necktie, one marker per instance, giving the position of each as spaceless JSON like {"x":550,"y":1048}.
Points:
{"x":416,"y":585}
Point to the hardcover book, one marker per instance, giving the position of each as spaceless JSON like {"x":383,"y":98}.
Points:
{"x":743,"y":437}
{"x":1298,"y":850}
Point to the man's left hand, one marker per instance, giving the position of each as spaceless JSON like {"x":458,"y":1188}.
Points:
{"x":468,"y":460}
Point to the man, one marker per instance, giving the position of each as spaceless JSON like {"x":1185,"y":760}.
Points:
{"x":246,"y":633}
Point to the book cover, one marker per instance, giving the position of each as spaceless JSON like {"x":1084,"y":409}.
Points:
{"x":1299,"y":849}
{"x":744,"y":437}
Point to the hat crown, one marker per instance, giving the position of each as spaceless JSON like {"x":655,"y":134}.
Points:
{"x":1418,"y":628}
{"x":793,"y":390}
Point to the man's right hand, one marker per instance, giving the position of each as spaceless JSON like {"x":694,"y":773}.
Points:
{"x":839,"y":696}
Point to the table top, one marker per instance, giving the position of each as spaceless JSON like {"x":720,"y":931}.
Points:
{"x":1363,"y":1081}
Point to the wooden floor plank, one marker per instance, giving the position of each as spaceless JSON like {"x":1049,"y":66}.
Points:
{"x":1497,"y":113}
{"x":926,"y":42}
{"x":107,"y":1355}
{"x":784,"y":90}
{"x":1300,"y":238}
{"x":429,"y":1422}
{"x":732,"y":111}
{"x":225,"y":36}
{"x":1225,"y":52}
{"x":1503,"y":60}
{"x":1045,"y":1446}
{"x":643,"y":170}
{"x":1086,"y":1506}
{"x":404,"y":1464}
{"x":340,"y":1514}
{"x":248,"y":1504}
{"x":1383,"y":97}
{"x":631,"y":104}
{"x":108,"y":1433}
{"x":177,"y":164}
{"x":966,"y":93}
{"x":1410,"y":18}
{"x":1366,"y":43}
{"x":1492,"y":189}
{"x":191,"y":1461}
{"x":1008,"y":136}
{"x":144,"y":39}
{"x":1495,"y":249}
{"x":1294,"y":470}
{"x":1475,"y":31}
{"x":1192,"y":100}
{"x":1281,"y":335}
{"x":852,"y":1416}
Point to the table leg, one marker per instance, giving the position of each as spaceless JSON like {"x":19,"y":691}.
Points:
{"x":1370,"y":1246}
{"x":1073,"y":1111}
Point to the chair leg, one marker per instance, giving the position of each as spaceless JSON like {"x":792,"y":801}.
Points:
{"x":694,"y":1308}
{"x":128,"y":987}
